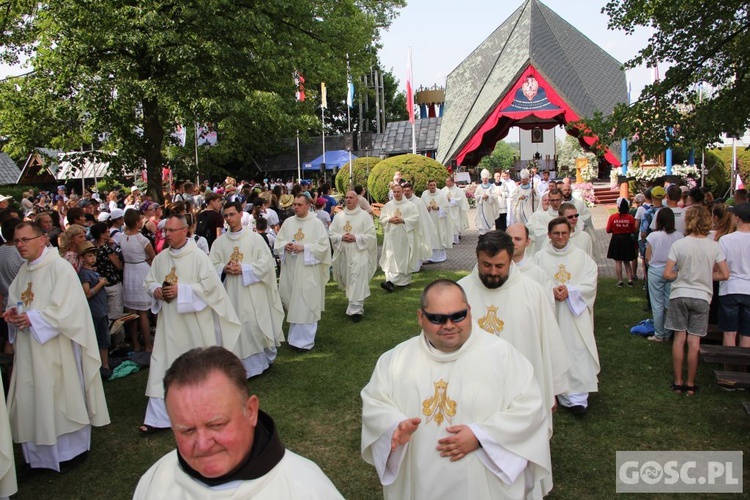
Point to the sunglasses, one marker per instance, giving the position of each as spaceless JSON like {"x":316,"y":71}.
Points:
{"x":574,"y":216}
{"x":441,"y":319}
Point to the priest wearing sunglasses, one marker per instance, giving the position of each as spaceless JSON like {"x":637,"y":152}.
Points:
{"x":454,"y":412}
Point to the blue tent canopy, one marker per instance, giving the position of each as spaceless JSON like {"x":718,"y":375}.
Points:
{"x":337,"y":158}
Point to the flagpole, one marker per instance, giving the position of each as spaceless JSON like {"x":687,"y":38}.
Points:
{"x":323,"y":105}
{"x":195,"y":143}
{"x":299,"y":165}
{"x":410,"y":103}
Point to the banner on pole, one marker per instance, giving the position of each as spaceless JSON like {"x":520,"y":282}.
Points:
{"x":323,"y":96}
{"x":409,"y":89}
{"x":299,"y":82}
{"x":179,"y":135}
{"x":207,"y":135}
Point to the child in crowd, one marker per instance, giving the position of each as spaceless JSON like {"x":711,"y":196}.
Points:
{"x":93,"y":287}
{"x":320,"y":212}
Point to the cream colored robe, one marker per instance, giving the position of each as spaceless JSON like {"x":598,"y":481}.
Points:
{"x":354,"y":264}
{"x":426,"y":235}
{"x":579,"y":239}
{"x":399,"y":240}
{"x":459,"y":208}
{"x":440,"y":218}
{"x":304,"y":275}
{"x":537,"y":226}
{"x":254,"y":294}
{"x":191,"y":319}
{"x":487,"y":385}
{"x":523,"y":208}
{"x":295,"y":477}
{"x":521,"y":313}
{"x":487,"y":210}
{"x":575,"y":316}
{"x":55,"y":388}
{"x":8,"y":485}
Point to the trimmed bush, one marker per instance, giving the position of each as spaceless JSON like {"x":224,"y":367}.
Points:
{"x":414,"y":168}
{"x":361,"y":168}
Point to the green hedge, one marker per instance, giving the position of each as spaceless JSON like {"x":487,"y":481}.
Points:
{"x":414,"y":168}
{"x":361,"y":168}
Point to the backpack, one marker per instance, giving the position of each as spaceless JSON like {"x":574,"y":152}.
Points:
{"x":202,"y":227}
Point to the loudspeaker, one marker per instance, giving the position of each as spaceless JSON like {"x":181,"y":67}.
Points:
{"x":350,"y":141}
{"x":365,"y":141}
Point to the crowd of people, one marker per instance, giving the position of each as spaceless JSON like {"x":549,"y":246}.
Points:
{"x":225,"y":266}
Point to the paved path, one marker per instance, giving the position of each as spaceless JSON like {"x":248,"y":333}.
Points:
{"x":462,"y":257}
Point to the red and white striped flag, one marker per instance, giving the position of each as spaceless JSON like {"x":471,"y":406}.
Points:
{"x":409,"y":89}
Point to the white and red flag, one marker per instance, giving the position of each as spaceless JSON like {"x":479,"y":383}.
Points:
{"x":299,"y":82}
{"x":409,"y":89}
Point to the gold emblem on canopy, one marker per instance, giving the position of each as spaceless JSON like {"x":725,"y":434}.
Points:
{"x":171,"y":278}
{"x":490,"y":322}
{"x":27,"y":296}
{"x":236,"y":256}
{"x":439,"y":407}
{"x":299,"y":236}
{"x":562,"y":276}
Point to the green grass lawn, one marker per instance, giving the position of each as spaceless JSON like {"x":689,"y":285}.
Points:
{"x":314,"y":398}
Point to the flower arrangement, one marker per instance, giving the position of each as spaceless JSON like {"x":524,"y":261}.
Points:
{"x":653,"y":173}
{"x":585,"y":191}
{"x":469,"y":193}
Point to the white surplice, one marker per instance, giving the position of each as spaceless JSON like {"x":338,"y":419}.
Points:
{"x":425,"y":237}
{"x":399,"y":241}
{"x":439,"y":212}
{"x":487,"y":209}
{"x":538,"y":225}
{"x":487,"y":385}
{"x":459,"y":209}
{"x":524,"y":202}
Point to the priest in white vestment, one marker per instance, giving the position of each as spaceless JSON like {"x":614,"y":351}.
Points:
{"x":56,"y":392}
{"x":400,"y":220}
{"x":8,"y":484}
{"x":585,"y":214}
{"x":194,"y":311}
{"x":578,"y":237}
{"x":355,"y":254}
{"x":538,"y":222}
{"x":247,"y":263}
{"x":486,"y":197}
{"x":574,"y":276}
{"x":426,"y":235}
{"x":305,"y":252}
{"x":454,"y":413}
{"x":227,"y":448}
{"x":525,"y":200}
{"x":459,"y":208}
{"x":521,"y":241}
{"x":438,"y":209}
{"x":504,"y":190}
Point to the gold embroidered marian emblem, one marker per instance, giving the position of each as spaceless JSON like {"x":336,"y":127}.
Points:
{"x":171,"y":278}
{"x":490,"y":322}
{"x":236,"y":256}
{"x":439,"y":407}
{"x":433,"y":203}
{"x":27,"y":296}
{"x":562,"y":276}
{"x":299,"y":235}
{"x":348,"y":227}
{"x":397,"y":213}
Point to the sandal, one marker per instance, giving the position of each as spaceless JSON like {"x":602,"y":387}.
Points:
{"x":690,"y":390}
{"x":678,"y":388}
{"x":147,"y":430}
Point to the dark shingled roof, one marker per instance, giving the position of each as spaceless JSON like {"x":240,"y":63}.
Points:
{"x":397,"y":137}
{"x":583,"y":74}
{"x":9,"y":171}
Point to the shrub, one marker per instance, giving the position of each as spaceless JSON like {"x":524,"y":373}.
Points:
{"x":361,"y":169}
{"x":414,"y":168}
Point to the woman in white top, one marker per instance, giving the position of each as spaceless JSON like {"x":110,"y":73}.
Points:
{"x":734,"y":294}
{"x":658,"y":244}
{"x":137,"y":254}
{"x":692,"y":263}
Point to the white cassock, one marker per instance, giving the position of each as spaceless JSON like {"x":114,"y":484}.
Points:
{"x":254,"y":295}
{"x":524,"y":203}
{"x":439,"y":212}
{"x":289,"y":477}
{"x":487,"y":209}
{"x":459,"y":210}
{"x":355,"y":263}
{"x":579,"y":239}
{"x":399,"y":241}
{"x":426,"y":236}
{"x":584,"y":218}
{"x":56,"y":392}
{"x":575,"y":316}
{"x":537,"y":225}
{"x":528,"y":268}
{"x":303,"y":276}
{"x":486,"y":385}
{"x":8,"y":485}
{"x":201,"y":316}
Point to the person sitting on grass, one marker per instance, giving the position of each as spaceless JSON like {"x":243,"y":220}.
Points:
{"x":692,"y":263}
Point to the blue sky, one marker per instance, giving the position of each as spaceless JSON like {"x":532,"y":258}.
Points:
{"x":443,"y":32}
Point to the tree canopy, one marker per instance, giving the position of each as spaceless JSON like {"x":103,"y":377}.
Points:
{"x":706,"y":45}
{"x":502,"y":157}
{"x":134,"y":69}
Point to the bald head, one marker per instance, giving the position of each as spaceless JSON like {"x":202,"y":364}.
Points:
{"x":519,"y":233}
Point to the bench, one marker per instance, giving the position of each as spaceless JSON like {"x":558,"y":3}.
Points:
{"x":732,"y":379}
{"x":725,"y":354}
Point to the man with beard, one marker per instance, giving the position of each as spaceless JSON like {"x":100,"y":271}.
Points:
{"x":525,"y":201}
{"x":399,"y":218}
{"x":574,"y":276}
{"x":305,"y":252}
{"x":426,"y":236}
{"x":438,"y":209}
{"x":518,"y":310}
{"x":355,"y":254}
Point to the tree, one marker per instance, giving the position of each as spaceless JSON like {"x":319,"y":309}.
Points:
{"x":502,"y":158}
{"x":704,"y":43}
{"x":134,"y":69}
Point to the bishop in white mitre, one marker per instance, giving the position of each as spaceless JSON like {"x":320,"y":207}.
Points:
{"x":486,"y":197}
{"x":525,"y":200}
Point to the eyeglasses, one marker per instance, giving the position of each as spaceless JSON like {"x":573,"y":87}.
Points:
{"x":25,"y":241}
{"x":441,"y":319}
{"x":228,"y":215}
{"x":174,"y":230}
{"x":573,"y":216}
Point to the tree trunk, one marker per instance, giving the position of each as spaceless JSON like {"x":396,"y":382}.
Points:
{"x":153,"y":135}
